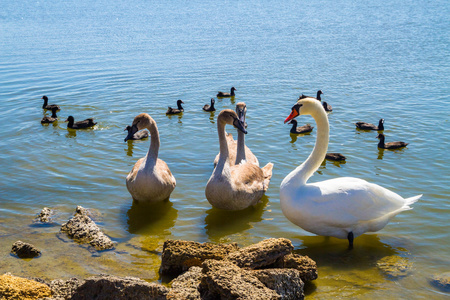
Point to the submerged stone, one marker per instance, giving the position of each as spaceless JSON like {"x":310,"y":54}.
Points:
{"x":394,"y":266}
{"x":83,"y":229}
{"x":25,"y":250}
{"x":441,"y":281}
{"x":45,"y":216}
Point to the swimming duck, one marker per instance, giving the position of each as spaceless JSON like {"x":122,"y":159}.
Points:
{"x":80,"y":124}
{"x":235,"y":148}
{"x":370,"y":126}
{"x":390,"y":145}
{"x":319,"y":92}
{"x":52,"y":118}
{"x":302,"y":129}
{"x":49,"y":106}
{"x":150,"y":180}
{"x":207,"y":107}
{"x":235,"y":187}
{"x":138,"y":135}
{"x":327,"y":106}
{"x":335,"y":157}
{"x":344,"y":207}
{"x":173,"y":111}
{"x":223,"y":94}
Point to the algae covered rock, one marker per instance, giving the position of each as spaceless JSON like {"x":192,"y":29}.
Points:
{"x":224,"y":280}
{"x":64,"y":288}
{"x":45,"y":216}
{"x":178,"y":256}
{"x":441,"y":281}
{"x":186,"y":286}
{"x":395,"y":266}
{"x":105,"y":287}
{"x":302,"y":263}
{"x":12,"y":287}
{"x":261,"y":254}
{"x":84,"y":230}
{"x":285,"y":282}
{"x":25,"y":250}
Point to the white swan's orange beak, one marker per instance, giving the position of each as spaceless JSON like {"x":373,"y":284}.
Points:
{"x":293,"y":114}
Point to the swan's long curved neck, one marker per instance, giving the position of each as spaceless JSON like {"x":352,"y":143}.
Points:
{"x":152,"y":154}
{"x":223,"y":157}
{"x":240,"y":151}
{"x":302,"y":173}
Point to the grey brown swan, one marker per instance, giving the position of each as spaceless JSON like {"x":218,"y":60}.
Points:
{"x":150,"y":180}
{"x":235,"y":187}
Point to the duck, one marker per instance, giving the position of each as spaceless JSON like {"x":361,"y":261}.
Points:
{"x":235,"y":187}
{"x":327,"y":106}
{"x":224,"y":95}
{"x":150,"y":179}
{"x":80,"y":124}
{"x":234,"y":147}
{"x":52,"y":118}
{"x":370,"y":126}
{"x":335,"y":157}
{"x":302,"y":129}
{"x":173,"y":111}
{"x":319,"y":92}
{"x":138,"y":135}
{"x":211,"y":107}
{"x":343,"y":207}
{"x":49,"y":106}
{"x":390,"y":145}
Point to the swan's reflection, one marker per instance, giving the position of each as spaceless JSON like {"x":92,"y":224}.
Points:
{"x":155,"y":219}
{"x":211,"y":117}
{"x":221,"y":223}
{"x":129,"y":150}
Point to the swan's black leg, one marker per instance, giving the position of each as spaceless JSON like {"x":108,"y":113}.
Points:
{"x":350,"y":240}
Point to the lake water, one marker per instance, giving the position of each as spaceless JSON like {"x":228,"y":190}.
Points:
{"x":112,"y":60}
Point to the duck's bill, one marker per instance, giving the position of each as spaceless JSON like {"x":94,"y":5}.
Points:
{"x":239,"y":125}
{"x":293,"y":114}
{"x":131,"y":132}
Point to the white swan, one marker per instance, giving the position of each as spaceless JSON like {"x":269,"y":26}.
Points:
{"x":150,"y":180}
{"x":344,"y":207}
{"x":235,"y":187}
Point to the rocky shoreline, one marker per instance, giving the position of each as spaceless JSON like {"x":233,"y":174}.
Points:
{"x":265,"y":270}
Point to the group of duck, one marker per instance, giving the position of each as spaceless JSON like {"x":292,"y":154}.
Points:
{"x":343,"y":207}
{"x":53,"y":118}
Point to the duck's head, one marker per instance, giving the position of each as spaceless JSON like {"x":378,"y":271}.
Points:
{"x":227,"y":116}
{"x":305,"y":106}
{"x":213,"y":101}
{"x":380,"y":136}
{"x":381,"y":121}
{"x":45,"y":98}
{"x":140,"y":122}
{"x":179,"y":102}
{"x":70,"y":119}
{"x":319,"y":92}
{"x":131,"y":131}
{"x":233,"y":89}
{"x":293,"y":121}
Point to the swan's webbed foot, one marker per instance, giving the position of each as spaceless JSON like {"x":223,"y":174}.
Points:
{"x":350,"y":240}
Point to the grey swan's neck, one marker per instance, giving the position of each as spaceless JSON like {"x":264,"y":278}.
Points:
{"x":224,"y":153}
{"x":240,"y":151}
{"x":152,"y":155}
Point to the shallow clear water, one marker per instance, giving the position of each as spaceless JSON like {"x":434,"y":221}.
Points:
{"x":111,"y":61}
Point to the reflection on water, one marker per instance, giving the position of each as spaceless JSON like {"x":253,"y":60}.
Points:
{"x":380,"y":153}
{"x":179,"y":116}
{"x":334,"y":162}
{"x":129,"y":150}
{"x":155,"y":219}
{"x":293,"y":138}
{"x":211,"y":117}
{"x":221,"y":223}
{"x":71,"y":133}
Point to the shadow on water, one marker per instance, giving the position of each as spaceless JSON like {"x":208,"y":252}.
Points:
{"x":221,"y":223}
{"x":155,"y":219}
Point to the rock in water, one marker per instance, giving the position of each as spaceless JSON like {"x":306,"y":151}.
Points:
{"x":25,"y":250}
{"x":83,"y":229}
{"x":286,"y":282}
{"x":12,"y":287}
{"x":179,"y":256}
{"x":261,"y":254}
{"x":305,"y":265}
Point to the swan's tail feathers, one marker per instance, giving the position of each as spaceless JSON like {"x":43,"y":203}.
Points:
{"x":410,"y":201}
{"x":267,"y":171}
